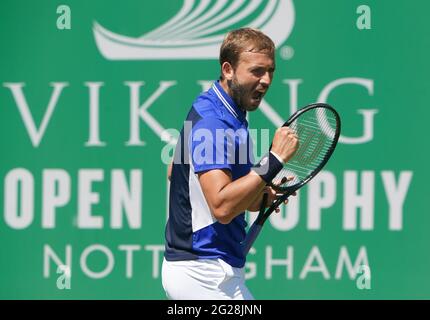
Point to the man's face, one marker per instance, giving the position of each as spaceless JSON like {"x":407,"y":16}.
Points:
{"x":251,"y":79}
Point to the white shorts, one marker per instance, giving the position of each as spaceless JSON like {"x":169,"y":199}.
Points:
{"x":208,"y":279}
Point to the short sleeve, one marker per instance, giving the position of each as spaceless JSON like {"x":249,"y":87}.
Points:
{"x":210,"y":147}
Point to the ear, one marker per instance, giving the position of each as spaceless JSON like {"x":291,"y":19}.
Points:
{"x":227,"y":71}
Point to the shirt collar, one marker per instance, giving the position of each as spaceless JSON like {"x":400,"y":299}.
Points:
{"x":228,"y":102}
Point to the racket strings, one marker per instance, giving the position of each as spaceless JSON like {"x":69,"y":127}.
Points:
{"x":316,"y":133}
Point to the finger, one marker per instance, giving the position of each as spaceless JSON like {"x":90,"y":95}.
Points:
{"x":289,"y":129}
{"x":280,"y":182}
{"x":285,"y":179}
{"x":292,"y":133}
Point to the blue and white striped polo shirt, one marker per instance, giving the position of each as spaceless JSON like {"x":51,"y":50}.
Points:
{"x":215,"y":136}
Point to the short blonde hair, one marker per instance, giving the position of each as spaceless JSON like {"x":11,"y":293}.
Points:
{"x":244,"y":40}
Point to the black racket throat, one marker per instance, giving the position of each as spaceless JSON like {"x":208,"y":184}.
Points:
{"x":263,"y":214}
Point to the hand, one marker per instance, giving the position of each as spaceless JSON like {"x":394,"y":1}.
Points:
{"x":277,"y":210}
{"x":285,"y":143}
{"x":284,"y":180}
{"x":273,"y":195}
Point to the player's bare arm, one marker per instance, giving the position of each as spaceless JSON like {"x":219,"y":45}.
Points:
{"x":227,"y":198}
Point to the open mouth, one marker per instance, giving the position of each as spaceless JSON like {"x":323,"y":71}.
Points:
{"x":257,"y":96}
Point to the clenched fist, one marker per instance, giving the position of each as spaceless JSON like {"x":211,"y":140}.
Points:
{"x":285,"y":143}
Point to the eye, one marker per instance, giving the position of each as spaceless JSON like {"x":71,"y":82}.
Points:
{"x":258,"y":72}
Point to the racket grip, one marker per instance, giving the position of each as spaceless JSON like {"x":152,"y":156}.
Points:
{"x":251,"y":236}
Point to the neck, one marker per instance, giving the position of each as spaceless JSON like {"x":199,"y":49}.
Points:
{"x":226,"y":88}
{"x":224,"y":85}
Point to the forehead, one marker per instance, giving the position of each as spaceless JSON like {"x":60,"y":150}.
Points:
{"x":248,"y":59}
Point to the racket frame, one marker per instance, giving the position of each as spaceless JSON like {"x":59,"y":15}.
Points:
{"x":288,"y":191}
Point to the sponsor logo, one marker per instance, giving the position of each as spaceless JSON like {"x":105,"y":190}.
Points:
{"x":197,"y":30}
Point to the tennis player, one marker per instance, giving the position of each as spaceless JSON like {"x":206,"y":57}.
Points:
{"x":213,"y":178}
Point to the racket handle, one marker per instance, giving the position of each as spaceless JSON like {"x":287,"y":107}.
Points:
{"x":251,"y":236}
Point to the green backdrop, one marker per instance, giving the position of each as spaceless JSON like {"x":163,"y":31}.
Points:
{"x":82,"y":180}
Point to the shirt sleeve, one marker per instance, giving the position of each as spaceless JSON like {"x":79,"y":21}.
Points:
{"x":210,"y":147}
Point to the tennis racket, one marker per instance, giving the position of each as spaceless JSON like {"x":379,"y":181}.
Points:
{"x":318,"y":128}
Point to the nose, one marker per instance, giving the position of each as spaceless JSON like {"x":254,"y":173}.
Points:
{"x":266,"y":79}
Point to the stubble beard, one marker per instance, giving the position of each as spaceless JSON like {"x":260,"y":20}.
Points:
{"x":240,"y":94}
